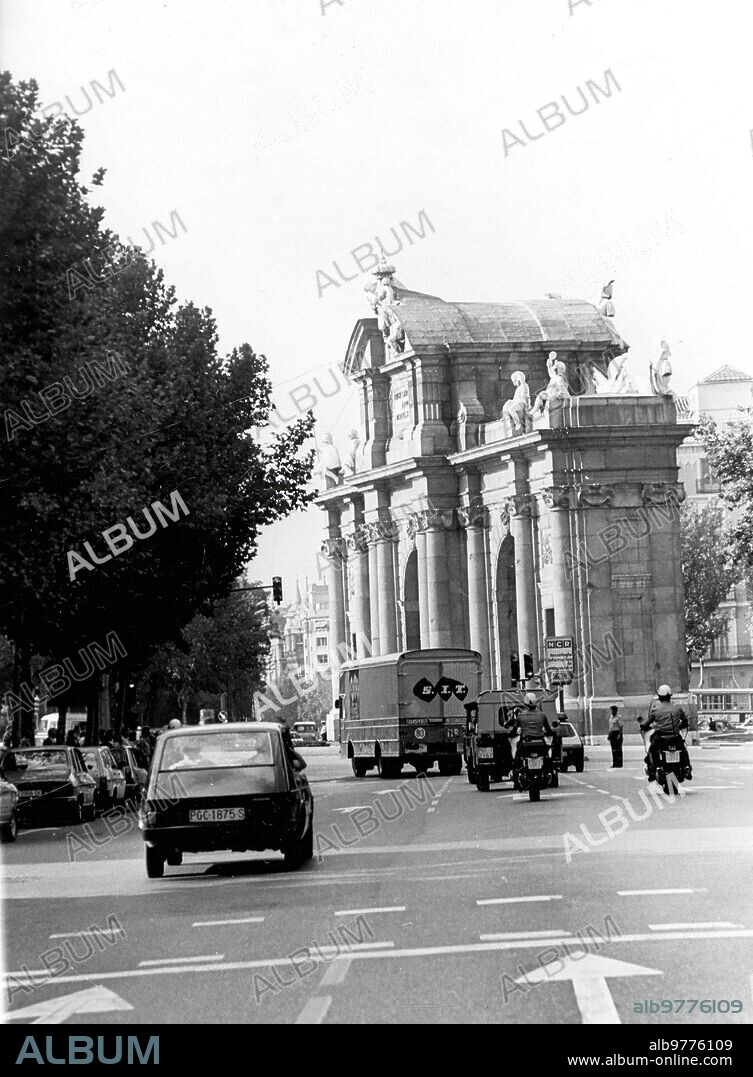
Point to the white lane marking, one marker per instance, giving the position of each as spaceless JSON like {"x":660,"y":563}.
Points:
{"x":501,"y":935}
{"x":553,"y":796}
{"x":223,"y":923}
{"x":685,"y":927}
{"x":315,"y":1010}
{"x":367,"y":955}
{"x":589,"y":973}
{"x":430,"y":810}
{"x":679,"y":890}
{"x":359,"y":946}
{"x":73,"y":934}
{"x":55,"y":1011}
{"x":336,"y":972}
{"x":181,"y":960}
{"x":359,"y":912}
{"x":515,"y":900}
{"x":704,"y":787}
{"x":349,"y":811}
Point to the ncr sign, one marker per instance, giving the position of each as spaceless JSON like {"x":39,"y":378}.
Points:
{"x":560,"y":659}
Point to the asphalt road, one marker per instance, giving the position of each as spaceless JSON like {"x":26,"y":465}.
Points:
{"x":426,"y":902}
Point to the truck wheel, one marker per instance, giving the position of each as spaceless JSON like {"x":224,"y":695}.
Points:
{"x":175,"y":858}
{"x":388,"y":768}
{"x":449,"y":767}
{"x":471,"y":772}
{"x":482,"y":782}
{"x":155,"y":863}
{"x":579,"y":765}
{"x":359,"y":767}
{"x":534,"y":793}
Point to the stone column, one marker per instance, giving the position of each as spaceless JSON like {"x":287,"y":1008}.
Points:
{"x":333,"y":549}
{"x":557,"y":498}
{"x":423,"y":584}
{"x":358,"y":554}
{"x":385,"y":581}
{"x":520,"y":509}
{"x":476,"y":523}
{"x":373,"y":570}
{"x":438,"y":584}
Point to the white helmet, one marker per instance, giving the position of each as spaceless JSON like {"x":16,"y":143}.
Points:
{"x":530,"y":699}
{"x":174,"y":723}
{"x":664,"y":691}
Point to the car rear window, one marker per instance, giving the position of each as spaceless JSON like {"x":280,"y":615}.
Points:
{"x":28,"y":759}
{"x":217,"y":751}
{"x":566,"y":730}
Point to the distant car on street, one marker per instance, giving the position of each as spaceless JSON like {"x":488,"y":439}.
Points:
{"x":111,"y":783}
{"x":129,"y":763}
{"x":305,"y":733}
{"x":573,"y":751}
{"x":51,"y":781}
{"x":233,"y":786}
{"x":8,"y":809}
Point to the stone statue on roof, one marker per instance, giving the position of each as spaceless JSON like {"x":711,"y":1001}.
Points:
{"x":617,"y":381}
{"x":384,"y":299}
{"x":556,"y":391}
{"x":350,"y":462}
{"x":518,"y":408}
{"x":660,"y":370}
{"x":330,"y":465}
{"x":606,"y":306}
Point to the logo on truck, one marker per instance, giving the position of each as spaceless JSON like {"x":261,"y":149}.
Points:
{"x":444,"y":688}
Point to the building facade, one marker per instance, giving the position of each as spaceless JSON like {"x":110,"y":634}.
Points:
{"x":453,"y":525}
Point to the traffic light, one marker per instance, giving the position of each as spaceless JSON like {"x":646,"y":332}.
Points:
{"x":514,"y":669}
{"x":528,"y":667}
{"x":277,"y":589}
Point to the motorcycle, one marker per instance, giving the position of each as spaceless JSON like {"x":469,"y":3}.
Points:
{"x":533,"y":769}
{"x":670,"y":769}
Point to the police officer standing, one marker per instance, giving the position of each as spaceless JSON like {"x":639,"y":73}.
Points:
{"x":615,"y":736}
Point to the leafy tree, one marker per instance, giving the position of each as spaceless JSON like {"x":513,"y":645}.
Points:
{"x":176,"y":418}
{"x":708,"y":574}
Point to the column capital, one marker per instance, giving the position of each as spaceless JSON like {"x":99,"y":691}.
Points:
{"x":557,"y":497}
{"x":334,"y":549}
{"x":474,"y":516}
{"x":436,"y":518}
{"x":594,"y":496}
{"x":357,"y":541}
{"x":519,"y":505}
{"x":663,"y":493}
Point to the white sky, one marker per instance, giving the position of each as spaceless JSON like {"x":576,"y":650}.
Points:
{"x":285,"y":137}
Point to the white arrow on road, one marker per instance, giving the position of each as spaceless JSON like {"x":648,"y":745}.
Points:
{"x":589,"y":975}
{"x":54,"y":1011}
{"x":349,"y":811}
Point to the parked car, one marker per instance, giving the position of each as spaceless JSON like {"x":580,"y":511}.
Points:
{"x":304,"y":733}
{"x":51,"y":780}
{"x":573,"y":751}
{"x":8,"y":809}
{"x":111,"y":783}
{"x":129,"y":763}
{"x":232,"y":786}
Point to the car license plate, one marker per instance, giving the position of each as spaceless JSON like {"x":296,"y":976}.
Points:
{"x":672,"y":757}
{"x":216,"y":815}
{"x":24,"y":794}
{"x":486,"y":753}
{"x":535,"y":762}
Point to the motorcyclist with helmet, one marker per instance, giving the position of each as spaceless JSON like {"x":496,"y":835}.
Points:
{"x":666,"y":719}
{"x":531,"y":723}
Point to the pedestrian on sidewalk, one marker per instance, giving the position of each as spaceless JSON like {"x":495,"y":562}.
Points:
{"x":615,"y":737}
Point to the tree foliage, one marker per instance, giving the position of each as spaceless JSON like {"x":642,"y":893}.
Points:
{"x":708,"y":574}
{"x":177,"y":419}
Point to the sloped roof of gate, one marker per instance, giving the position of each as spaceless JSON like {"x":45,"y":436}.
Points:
{"x":429,"y":321}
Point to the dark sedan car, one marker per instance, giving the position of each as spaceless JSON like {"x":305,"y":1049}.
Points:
{"x":111,"y":785}
{"x":232,"y":786}
{"x":51,"y":780}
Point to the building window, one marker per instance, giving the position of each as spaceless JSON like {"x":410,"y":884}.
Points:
{"x":321,"y":641}
{"x":321,"y":659}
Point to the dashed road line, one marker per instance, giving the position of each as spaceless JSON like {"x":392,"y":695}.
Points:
{"x":503,"y":936}
{"x":315,"y":1010}
{"x":517,"y":900}
{"x":363,"y":912}
{"x":223,"y":923}
{"x":336,"y":972}
{"x":678,"y":890}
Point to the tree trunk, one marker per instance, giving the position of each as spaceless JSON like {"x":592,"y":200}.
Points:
{"x":62,"y":717}
{"x":23,"y":715}
{"x":92,"y":709}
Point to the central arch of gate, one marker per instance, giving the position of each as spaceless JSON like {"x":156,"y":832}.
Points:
{"x":460,"y":521}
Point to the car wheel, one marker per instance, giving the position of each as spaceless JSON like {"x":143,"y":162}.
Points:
{"x":471,"y":773}
{"x":359,"y":767}
{"x":555,"y":780}
{"x":77,"y":813}
{"x":563,"y":766}
{"x":579,"y":765}
{"x":155,"y":863}
{"x":9,"y":830}
{"x":482,"y":781}
{"x":90,"y":813}
{"x":534,"y":793}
